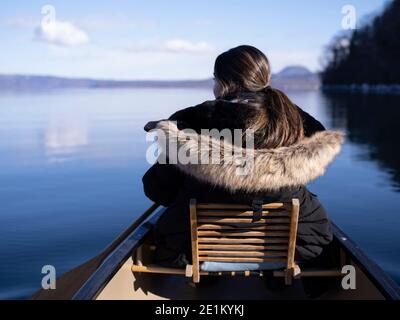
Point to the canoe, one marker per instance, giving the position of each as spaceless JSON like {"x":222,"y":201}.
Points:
{"x":113,"y":277}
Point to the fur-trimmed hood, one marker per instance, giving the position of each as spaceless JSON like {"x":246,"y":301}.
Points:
{"x":253,"y":170}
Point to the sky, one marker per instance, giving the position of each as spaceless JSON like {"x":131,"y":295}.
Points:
{"x":163,"y":39}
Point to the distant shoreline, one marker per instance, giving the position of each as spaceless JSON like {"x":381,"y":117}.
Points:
{"x":363,"y":88}
{"x":291,"y":78}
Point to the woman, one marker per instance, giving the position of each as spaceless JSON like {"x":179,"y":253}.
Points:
{"x":283,"y":134}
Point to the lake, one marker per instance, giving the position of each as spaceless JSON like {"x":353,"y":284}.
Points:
{"x":71,"y":163}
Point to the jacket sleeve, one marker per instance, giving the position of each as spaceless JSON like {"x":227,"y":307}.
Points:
{"x":184,"y":118}
{"x":161,"y":183}
{"x":311,"y":125}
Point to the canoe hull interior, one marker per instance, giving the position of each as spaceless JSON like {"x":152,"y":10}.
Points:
{"x":126,"y":285}
{"x":114,"y":279}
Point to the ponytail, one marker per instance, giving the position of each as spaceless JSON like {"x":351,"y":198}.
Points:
{"x":283,"y":124}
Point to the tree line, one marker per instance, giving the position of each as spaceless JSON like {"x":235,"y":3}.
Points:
{"x":368,"y":55}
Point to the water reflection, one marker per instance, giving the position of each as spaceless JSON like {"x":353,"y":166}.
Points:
{"x":64,"y":136}
{"x":371,"y":121}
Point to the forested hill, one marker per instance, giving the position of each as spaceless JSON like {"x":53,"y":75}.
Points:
{"x":370,"y":55}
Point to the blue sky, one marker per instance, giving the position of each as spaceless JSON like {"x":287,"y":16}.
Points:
{"x":172,"y":39}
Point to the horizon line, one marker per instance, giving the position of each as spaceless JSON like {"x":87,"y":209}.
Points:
{"x":132,"y":79}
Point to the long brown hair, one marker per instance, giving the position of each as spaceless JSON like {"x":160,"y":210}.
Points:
{"x":246,"y":69}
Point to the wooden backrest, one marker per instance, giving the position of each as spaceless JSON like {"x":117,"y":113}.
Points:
{"x":227,"y":233}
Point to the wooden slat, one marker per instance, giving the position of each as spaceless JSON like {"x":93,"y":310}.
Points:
{"x":161,"y":270}
{"x":314,"y":273}
{"x":246,"y":240}
{"x":157,"y":269}
{"x":244,"y":247}
{"x":253,"y":228}
{"x":238,"y":206}
{"x":139,"y":256}
{"x":243,"y":220}
{"x":215,"y":253}
{"x":293,"y":233}
{"x":224,"y":259}
{"x":243,"y":234}
{"x":194,"y":238}
{"x":227,"y":213}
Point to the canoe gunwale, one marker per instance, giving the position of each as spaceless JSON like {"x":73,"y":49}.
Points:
{"x":386,"y":285}
{"x":111,"y":264}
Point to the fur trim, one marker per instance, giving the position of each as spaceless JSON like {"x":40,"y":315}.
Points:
{"x":270,"y":169}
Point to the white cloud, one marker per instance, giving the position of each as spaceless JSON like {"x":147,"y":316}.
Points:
{"x":61,"y":33}
{"x":170,"y":46}
{"x":181,"y":45}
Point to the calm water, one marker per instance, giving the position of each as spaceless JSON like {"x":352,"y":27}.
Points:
{"x":71,"y":164}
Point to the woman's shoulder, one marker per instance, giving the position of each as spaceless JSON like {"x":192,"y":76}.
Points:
{"x":214,"y":114}
{"x":311,"y":125}
{"x":210,"y":113}
{"x":191,"y":117}
{"x":211,"y":109}
{"x":193,"y":111}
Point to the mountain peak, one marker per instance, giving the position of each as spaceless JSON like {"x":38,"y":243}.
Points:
{"x":295,"y":71}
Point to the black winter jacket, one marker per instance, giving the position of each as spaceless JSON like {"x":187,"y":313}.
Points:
{"x":173,"y":186}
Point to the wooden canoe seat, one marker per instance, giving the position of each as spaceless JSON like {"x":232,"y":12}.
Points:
{"x":236,"y":234}
{"x":231,"y":234}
